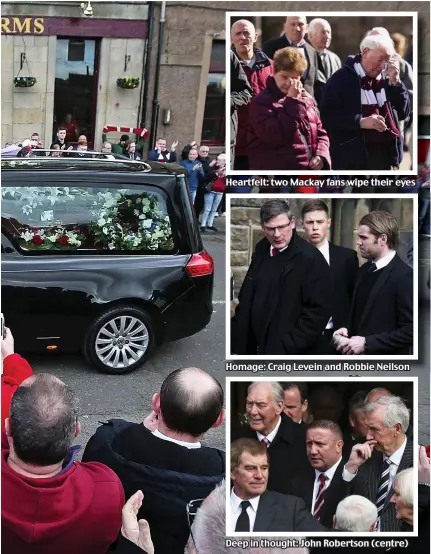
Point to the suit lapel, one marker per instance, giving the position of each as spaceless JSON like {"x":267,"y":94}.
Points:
{"x":383,"y":277}
{"x":406,"y":462}
{"x":265,"y":513}
{"x":375,"y":472}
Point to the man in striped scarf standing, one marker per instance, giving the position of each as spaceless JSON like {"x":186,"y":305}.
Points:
{"x":362,"y":105}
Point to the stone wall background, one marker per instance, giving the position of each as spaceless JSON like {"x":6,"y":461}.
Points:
{"x":245,"y":230}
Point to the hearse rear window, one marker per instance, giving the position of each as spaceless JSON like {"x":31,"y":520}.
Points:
{"x":92,"y":219}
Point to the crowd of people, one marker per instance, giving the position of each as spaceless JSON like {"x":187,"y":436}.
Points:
{"x":296,"y":106}
{"x":296,"y":465}
{"x":309,"y":296}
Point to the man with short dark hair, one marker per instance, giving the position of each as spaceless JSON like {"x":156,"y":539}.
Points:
{"x":357,"y":428}
{"x":283,"y":303}
{"x":252,"y":506}
{"x":61,"y":140}
{"x":161,"y":154}
{"x":51,"y":503}
{"x":343,"y":265}
{"x":381,"y":315}
{"x":295,"y":400}
{"x":168,"y":463}
{"x":320,"y":482}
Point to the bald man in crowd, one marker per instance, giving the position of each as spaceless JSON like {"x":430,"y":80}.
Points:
{"x":257,"y":67}
{"x":167,"y":461}
{"x":295,"y":30}
{"x":319,"y":35}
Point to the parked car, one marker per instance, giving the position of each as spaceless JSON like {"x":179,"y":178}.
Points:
{"x":102,"y":255}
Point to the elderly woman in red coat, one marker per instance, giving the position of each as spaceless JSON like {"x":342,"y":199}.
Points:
{"x":285,"y":131}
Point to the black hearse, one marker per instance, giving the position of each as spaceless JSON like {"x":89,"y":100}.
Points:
{"x":102,"y":255}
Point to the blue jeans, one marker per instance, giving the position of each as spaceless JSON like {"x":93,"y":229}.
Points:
{"x":193,"y":195}
{"x":424,"y":211}
{"x":211,"y":203}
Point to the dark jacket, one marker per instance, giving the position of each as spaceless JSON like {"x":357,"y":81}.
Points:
{"x":127,"y":547}
{"x":341,"y":112}
{"x":240,"y":95}
{"x":154,"y":156}
{"x":344,"y":267}
{"x":386,"y":321}
{"x":286,"y":453}
{"x":299,"y":308}
{"x":284,"y":132}
{"x":168,"y":474}
{"x":256,"y":76}
{"x":302,"y":485}
{"x":279,"y":512}
{"x":310,"y":79}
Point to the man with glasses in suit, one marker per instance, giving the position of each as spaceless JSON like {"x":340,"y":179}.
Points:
{"x":283,"y":302}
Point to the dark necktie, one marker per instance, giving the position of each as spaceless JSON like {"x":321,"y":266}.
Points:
{"x":265,"y":441}
{"x":372,"y":268}
{"x":274,"y":252}
{"x":326,"y":67}
{"x":320,"y":499}
{"x":243,"y":522}
{"x":383,"y":488}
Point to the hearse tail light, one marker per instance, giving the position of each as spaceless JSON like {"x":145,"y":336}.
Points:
{"x":200,"y":264}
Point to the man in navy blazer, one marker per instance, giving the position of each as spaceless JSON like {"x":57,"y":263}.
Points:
{"x":362,"y":105}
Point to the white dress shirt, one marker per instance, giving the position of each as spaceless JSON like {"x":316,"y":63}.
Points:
{"x":329,"y":474}
{"x":386,"y":260}
{"x":393,"y":468}
{"x":270,"y":436}
{"x":324,"y":250}
{"x":271,"y":248}
{"x":189,"y":445}
{"x":236,"y":509}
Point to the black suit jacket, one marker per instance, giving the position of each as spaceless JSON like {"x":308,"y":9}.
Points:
{"x":302,"y":485}
{"x":298,"y":310}
{"x":387,"y":319}
{"x":279,"y":512}
{"x":312,"y":83}
{"x":367,"y":480}
{"x":344,"y":266}
{"x":286,"y":453}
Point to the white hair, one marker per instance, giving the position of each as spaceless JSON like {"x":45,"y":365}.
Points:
{"x":377,"y":389}
{"x":244,"y":22}
{"x":378,"y":41}
{"x":379,"y":31}
{"x":314,"y":22}
{"x":395,"y":411}
{"x":209,"y":529}
{"x":356,"y":514}
{"x":276,"y":390}
{"x":405,"y":483}
{"x":221,"y":157}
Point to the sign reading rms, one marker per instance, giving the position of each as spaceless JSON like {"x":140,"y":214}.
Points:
{"x":22,"y":26}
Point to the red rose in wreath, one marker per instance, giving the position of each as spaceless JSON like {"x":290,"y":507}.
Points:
{"x":64,"y":241}
{"x":37,"y":240}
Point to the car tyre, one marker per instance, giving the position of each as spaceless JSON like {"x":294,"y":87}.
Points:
{"x":120,"y":340}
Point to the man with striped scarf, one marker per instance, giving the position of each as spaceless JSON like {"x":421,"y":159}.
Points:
{"x":362,"y":105}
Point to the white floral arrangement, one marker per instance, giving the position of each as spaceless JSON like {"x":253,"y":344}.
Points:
{"x":31,"y":198}
{"x":54,"y":238}
{"x":124,"y":223}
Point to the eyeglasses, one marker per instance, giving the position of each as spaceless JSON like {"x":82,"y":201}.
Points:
{"x":192,"y":509}
{"x":281,"y":228}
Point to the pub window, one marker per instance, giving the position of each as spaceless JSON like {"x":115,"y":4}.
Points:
{"x":76,"y":51}
{"x":213,"y":128}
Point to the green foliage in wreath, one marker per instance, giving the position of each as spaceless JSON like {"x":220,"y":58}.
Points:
{"x":23,"y":82}
{"x":131,"y":222}
{"x":128,"y":82}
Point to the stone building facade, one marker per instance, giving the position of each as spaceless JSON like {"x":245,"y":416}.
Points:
{"x":190,"y":96}
{"x":245,"y":230}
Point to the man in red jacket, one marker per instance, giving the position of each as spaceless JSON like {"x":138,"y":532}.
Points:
{"x":258,"y":67}
{"x":15,"y":370}
{"x":50,"y":503}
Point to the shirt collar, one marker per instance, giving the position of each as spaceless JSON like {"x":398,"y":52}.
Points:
{"x":300,"y":44}
{"x":235,"y":502}
{"x":329,"y":472}
{"x":324,"y":249}
{"x":190,"y":445}
{"x":386,"y":260}
{"x":395,"y":458}
{"x":270,"y":436}
{"x":271,"y":248}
